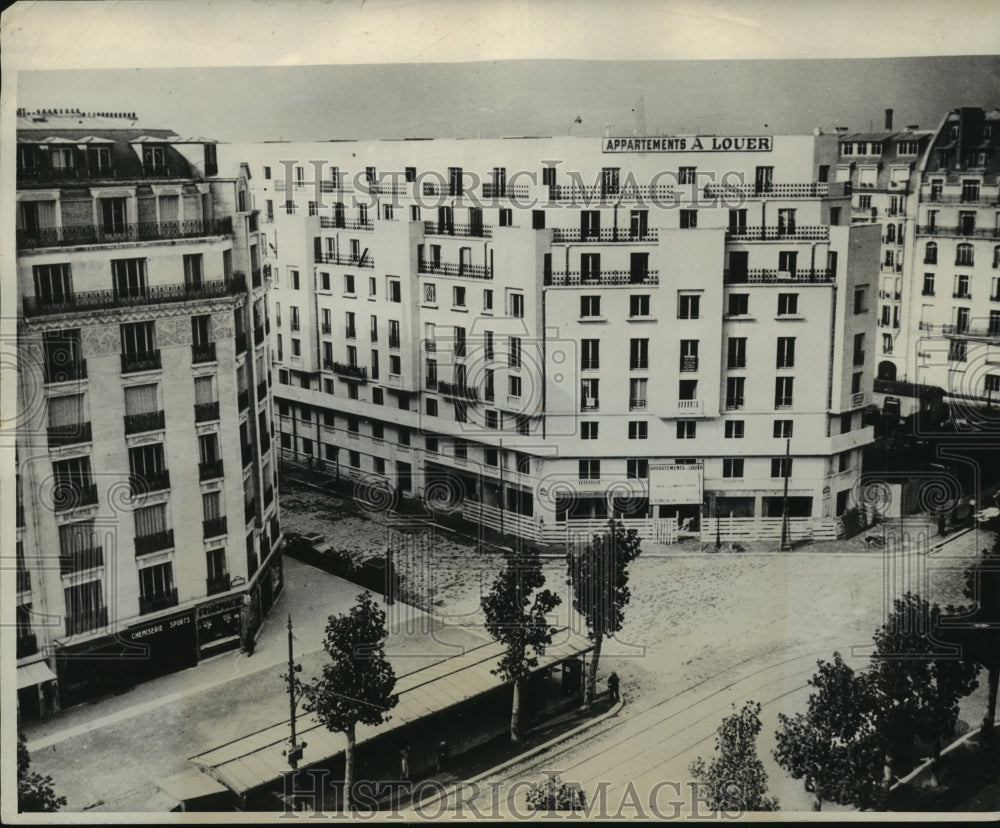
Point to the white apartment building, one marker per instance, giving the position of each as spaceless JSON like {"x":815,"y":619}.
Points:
{"x":147,"y":508}
{"x":534,"y":331}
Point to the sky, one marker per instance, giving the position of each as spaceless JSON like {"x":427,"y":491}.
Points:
{"x":526,"y":97}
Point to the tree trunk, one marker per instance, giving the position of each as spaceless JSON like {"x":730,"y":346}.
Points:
{"x":935,"y":761}
{"x":348,"y":805}
{"x":515,"y":714}
{"x":993,"y":673}
{"x":887,"y":767}
{"x":590,"y":684}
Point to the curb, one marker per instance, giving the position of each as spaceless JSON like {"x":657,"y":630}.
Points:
{"x":538,"y":750}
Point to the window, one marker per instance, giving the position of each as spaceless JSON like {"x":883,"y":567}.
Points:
{"x":352,"y":391}
{"x":689,"y":219}
{"x":537,"y":219}
{"x":688,"y":305}
{"x":455,"y":183}
{"x":458,"y":296}
{"x":458,"y":346}
{"x":590,"y":306}
{"x":488,"y":346}
{"x":589,"y":393}
{"x":736,"y":352}
{"x":395,"y":364}
{"x":638,"y":305}
{"x":590,"y":266}
{"x":637,"y":469}
{"x":514,"y":351}
{"x":928,"y":288}
{"x":786,"y":222}
{"x":686,"y":429}
{"x":372,"y":282}
{"x":689,"y":355}
{"x":887,"y":343}
{"x":590,"y":469}
{"x":506,"y":217}
{"x":964,"y":254}
{"x":781,"y":467}
{"x":548,"y":176}
{"x":517,"y":305}
{"x":788,"y":304}
{"x":395,"y":294}
{"x":739,"y":304}
{"x":431,"y":407}
{"x":734,"y":429}
{"x":735,"y":387}
{"x":732,"y":467}
{"x":348,"y":283}
{"x":783,"y":392}
{"x":638,"y":354}
{"x":786,"y":352}
{"x":957,"y":350}
{"x":859,"y":299}
{"x":638,"y":430}
{"x":129,"y":276}
{"x":588,"y":430}
{"x":490,"y":456}
{"x":961,"y":320}
{"x":492,"y":419}
{"x":783,"y":428}
{"x":487,"y":300}
{"x":637,"y":394}
{"x":53,"y":284}
{"x":590,"y":354}
{"x":859,"y":349}
{"x":686,"y":175}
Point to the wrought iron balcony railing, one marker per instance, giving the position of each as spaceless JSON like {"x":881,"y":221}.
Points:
{"x":148,"y":421}
{"x":346,"y":369}
{"x":573,"y":278}
{"x":148,"y":295}
{"x":157,"y":601}
{"x":83,"y":622}
{"x":452,"y":269}
{"x":210,"y":470}
{"x":73,"y":495}
{"x":610,"y":235}
{"x":69,"y":435}
{"x":141,"y":361}
{"x":438,"y":228}
{"x":81,"y":559}
{"x":121,"y":233}
{"x":206,"y":412}
{"x":156,"y":542}
{"x":149,"y":482}
{"x":205,"y":352}
{"x":214,"y":527}
{"x":217,"y":585}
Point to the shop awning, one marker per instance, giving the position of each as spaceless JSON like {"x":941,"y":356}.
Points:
{"x":38,"y":672}
{"x":257,"y":759}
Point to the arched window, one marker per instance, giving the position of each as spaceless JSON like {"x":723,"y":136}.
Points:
{"x":964,"y":254}
{"x":930,"y":253}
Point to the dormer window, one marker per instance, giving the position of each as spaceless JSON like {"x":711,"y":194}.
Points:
{"x":99,"y":159}
{"x":61,"y":159}
{"x":847,"y":148}
{"x":154,"y":160}
{"x":27,"y":158}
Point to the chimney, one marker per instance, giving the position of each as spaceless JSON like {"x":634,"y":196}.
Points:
{"x":888,"y":119}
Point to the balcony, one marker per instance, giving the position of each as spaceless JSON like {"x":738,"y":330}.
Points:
{"x":148,"y":421}
{"x":213,"y":528}
{"x":991,"y":332}
{"x":636,"y":404}
{"x":83,"y":622}
{"x":56,"y":371}
{"x":156,"y":542}
{"x":203,"y":353}
{"x":73,"y":495}
{"x":206,"y":412}
{"x":351,"y":372}
{"x":766,"y":275}
{"x":452,"y":389}
{"x":366,"y":261}
{"x":261,"y":389}
{"x":393,"y":341}
{"x":610,"y":235}
{"x":27,"y":644}
{"x":734,"y":404}
{"x":735,"y":192}
{"x":150,"y":482}
{"x":141,"y":361}
{"x":122,"y":233}
{"x":689,"y":363}
{"x":435,"y":228}
{"x":689,"y":406}
{"x":81,"y":559}
{"x":572,"y":278}
{"x":216,"y":585}
{"x":782,"y":402}
{"x":972,"y":199}
{"x":69,"y":435}
{"x":210,"y":470}
{"x":157,"y":601}
{"x":465,"y":271}
{"x":803,"y":233}
{"x":337,"y":223}
{"x":492,"y":191}
{"x":351,"y":332}
{"x":327,"y":329}
{"x":961,"y":232}
{"x":597,"y":194}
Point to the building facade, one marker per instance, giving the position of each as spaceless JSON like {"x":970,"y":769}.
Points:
{"x":147,"y":526}
{"x":539,"y":331}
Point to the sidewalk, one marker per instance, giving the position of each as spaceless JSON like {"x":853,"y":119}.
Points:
{"x":100,"y":755}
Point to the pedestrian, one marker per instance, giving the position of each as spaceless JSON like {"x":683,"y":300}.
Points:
{"x":442,"y":757}
{"x":404,"y":763}
{"x":613,"y":683}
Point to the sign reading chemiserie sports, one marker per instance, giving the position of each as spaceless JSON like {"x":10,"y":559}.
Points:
{"x":689,"y":143}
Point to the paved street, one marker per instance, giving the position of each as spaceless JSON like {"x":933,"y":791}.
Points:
{"x":99,"y":753}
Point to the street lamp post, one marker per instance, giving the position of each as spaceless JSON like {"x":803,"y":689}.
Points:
{"x":295,"y":692}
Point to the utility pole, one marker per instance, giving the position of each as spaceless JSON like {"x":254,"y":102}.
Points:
{"x":785,"y":541}
{"x":295,"y":748}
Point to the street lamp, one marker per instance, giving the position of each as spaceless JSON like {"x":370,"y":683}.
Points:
{"x":295,"y":693}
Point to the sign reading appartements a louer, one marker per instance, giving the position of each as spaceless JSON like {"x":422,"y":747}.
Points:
{"x":676,"y":484}
{"x":689,"y":143}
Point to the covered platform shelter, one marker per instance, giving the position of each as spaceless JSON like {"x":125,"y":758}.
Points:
{"x":456,"y":700}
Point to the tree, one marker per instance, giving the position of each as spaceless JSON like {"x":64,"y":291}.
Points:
{"x":735,"y":777}
{"x":832,"y":747}
{"x":34,"y":791}
{"x":555,"y":795}
{"x":916,"y":685}
{"x":599,"y":578}
{"x":516,"y":617}
{"x":357,"y":683}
